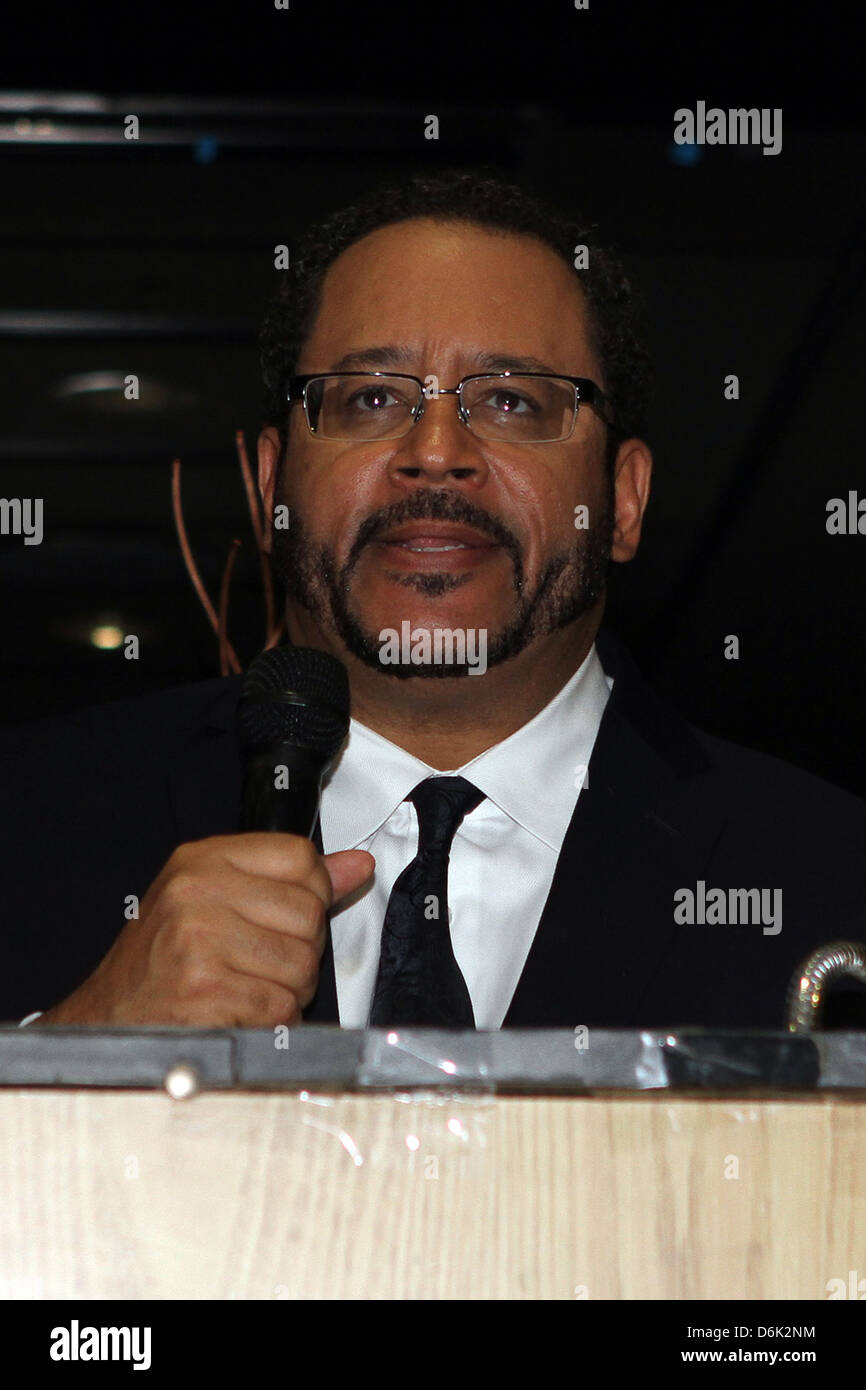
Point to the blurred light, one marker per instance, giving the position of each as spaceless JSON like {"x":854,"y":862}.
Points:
{"x":182,"y":1082}
{"x":87,"y":103}
{"x":107,"y":637}
{"x":104,"y":392}
{"x":96,"y":628}
{"x":83,"y":383}
{"x":206,"y":150}
{"x":412,"y":1141}
{"x":685,"y":155}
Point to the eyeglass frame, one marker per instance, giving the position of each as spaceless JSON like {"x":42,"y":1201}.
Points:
{"x":586,"y":392}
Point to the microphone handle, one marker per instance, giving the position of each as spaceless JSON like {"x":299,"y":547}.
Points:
{"x":282,"y":790}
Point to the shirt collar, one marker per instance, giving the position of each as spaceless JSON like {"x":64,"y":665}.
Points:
{"x":532,"y":775}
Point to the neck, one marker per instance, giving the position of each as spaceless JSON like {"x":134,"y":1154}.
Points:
{"x":448,"y":722}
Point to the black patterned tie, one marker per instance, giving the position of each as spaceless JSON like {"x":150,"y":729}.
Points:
{"x":419,"y":981}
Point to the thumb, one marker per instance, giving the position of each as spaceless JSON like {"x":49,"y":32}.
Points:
{"x":348,"y":869}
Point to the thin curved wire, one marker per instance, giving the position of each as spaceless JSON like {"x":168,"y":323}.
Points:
{"x":274,"y":630}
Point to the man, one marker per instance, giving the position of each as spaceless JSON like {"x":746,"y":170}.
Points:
{"x":456,"y":435}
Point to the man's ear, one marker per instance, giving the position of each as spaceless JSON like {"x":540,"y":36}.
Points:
{"x":632,"y":472}
{"x":269,"y":449}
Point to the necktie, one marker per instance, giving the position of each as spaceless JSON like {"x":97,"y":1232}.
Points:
{"x":419,"y":982}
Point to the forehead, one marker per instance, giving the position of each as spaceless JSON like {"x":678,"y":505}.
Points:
{"x":451,"y":289}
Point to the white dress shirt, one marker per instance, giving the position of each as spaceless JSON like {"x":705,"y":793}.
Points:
{"x":503,"y":855}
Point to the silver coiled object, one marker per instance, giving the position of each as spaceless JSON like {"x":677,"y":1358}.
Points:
{"x":823,"y":967}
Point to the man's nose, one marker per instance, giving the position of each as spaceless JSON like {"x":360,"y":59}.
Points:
{"x":439,"y":448}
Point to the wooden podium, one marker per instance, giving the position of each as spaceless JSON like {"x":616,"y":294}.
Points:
{"x":648,"y":1166}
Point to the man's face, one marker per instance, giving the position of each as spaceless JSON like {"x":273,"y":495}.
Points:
{"x":368,"y":521}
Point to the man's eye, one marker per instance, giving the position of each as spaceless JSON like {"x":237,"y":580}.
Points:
{"x":372,"y":399}
{"x":510,"y":402}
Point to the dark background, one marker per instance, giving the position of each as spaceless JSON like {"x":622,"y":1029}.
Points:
{"x":156,"y":257}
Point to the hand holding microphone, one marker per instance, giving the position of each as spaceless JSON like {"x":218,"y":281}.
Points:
{"x":232,"y":930}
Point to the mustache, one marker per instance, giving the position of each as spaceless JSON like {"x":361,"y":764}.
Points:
{"x":432,"y":505}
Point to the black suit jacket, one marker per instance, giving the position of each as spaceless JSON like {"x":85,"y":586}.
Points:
{"x":94,"y":803}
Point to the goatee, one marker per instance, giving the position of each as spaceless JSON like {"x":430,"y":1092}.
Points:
{"x":570,"y":584}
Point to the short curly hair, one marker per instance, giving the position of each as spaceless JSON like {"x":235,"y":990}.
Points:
{"x":479,"y":198}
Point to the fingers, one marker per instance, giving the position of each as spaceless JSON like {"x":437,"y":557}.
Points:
{"x":231,"y":934}
{"x":348,"y":869}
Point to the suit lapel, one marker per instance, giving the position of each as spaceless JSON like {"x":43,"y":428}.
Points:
{"x":205,"y":778}
{"x":637,"y":833}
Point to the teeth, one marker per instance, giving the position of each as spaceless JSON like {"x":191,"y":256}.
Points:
{"x":429,"y":549}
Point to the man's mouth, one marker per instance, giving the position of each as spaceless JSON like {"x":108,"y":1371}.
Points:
{"x":428,"y":543}
{"x":436,"y":536}
{"x":435,"y":545}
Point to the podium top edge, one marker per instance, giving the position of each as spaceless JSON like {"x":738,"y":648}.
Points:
{"x":505,"y":1061}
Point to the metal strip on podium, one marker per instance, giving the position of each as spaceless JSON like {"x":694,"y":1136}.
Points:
{"x":515,"y":1061}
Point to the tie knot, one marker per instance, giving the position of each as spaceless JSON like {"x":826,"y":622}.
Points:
{"x":441,"y":803}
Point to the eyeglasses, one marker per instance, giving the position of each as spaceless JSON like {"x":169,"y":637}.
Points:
{"x":524,"y":408}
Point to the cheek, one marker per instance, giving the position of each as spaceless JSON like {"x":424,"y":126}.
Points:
{"x":539,"y":507}
{"x":573,"y":500}
{"x":332,"y":495}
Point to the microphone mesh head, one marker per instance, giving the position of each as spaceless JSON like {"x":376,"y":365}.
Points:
{"x":294,"y":695}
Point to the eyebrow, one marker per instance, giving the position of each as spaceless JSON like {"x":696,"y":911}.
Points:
{"x":391,"y":355}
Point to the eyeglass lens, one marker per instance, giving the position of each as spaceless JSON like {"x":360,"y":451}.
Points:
{"x":522,"y":409}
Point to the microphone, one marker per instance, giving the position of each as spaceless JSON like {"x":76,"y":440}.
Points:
{"x":804,"y":1005}
{"x":292,"y":717}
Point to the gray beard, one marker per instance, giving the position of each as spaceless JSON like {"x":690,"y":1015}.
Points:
{"x":569,"y":586}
